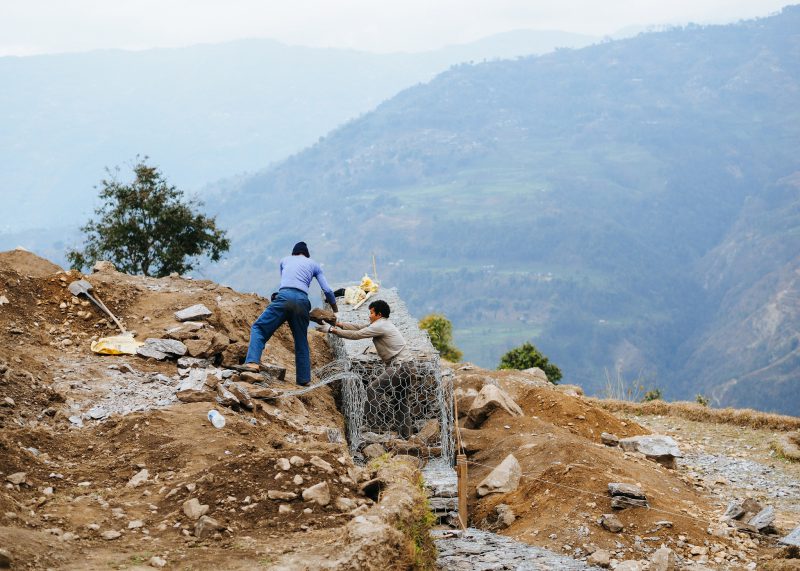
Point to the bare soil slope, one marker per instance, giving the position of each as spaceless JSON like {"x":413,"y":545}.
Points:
{"x":566,"y":470}
{"x":70,"y":499}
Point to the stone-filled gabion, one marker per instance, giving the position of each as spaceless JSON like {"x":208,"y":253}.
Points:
{"x":411,"y":416}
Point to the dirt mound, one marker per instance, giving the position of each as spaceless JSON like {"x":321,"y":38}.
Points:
{"x":73,"y":493}
{"x":27,"y":263}
{"x":566,"y":470}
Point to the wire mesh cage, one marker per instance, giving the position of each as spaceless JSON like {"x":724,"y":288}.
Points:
{"x":404,"y":406}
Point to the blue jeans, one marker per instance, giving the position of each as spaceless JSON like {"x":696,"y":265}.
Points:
{"x":290,"y":305}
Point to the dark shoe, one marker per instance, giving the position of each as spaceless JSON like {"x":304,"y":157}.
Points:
{"x":303,"y":384}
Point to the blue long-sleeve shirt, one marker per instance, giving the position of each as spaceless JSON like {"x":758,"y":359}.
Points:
{"x":298,"y":271}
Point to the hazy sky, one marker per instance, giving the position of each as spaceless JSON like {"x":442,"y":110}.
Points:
{"x":46,"y":26}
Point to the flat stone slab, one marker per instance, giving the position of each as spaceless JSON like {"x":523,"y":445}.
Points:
{"x":477,"y":550}
{"x":198,"y":311}
{"x":763,"y":519}
{"x":652,"y":446}
{"x":793,"y":538}
{"x":628,"y":490}
{"x":169,"y":346}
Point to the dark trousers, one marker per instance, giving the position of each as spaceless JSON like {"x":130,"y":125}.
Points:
{"x":393,"y":386}
{"x":290,"y":305}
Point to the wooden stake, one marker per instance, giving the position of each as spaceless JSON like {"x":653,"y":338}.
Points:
{"x":461,"y":472}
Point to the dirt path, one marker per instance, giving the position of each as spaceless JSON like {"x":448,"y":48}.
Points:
{"x":733,"y":463}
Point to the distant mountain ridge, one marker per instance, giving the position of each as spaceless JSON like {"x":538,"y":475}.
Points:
{"x":606,"y":203}
{"x":201,"y":113}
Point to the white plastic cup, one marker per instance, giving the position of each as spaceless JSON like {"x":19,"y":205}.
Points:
{"x":216,"y":418}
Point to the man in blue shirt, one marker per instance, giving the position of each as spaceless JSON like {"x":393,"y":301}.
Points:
{"x":290,"y":304}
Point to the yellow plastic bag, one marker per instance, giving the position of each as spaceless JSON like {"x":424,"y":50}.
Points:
{"x":117,"y":345}
{"x":368,"y":285}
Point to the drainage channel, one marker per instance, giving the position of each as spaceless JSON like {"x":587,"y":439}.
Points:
{"x":475,"y":549}
{"x":478,"y":550}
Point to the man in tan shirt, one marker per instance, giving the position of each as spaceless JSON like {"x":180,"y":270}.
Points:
{"x":392,"y":349}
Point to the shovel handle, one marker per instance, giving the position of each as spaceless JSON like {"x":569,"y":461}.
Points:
{"x":102,"y":306}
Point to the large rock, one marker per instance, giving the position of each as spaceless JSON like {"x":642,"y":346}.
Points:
{"x":490,"y":399}
{"x":609,"y":439}
{"x":373,"y":450}
{"x":194,"y":509}
{"x":5,"y":559}
{"x":464,"y":399}
{"x":345,"y":504}
{"x":234,"y":354}
{"x":226,"y":397}
{"x":187,"y":330}
{"x":207,"y":345}
{"x":103,"y":266}
{"x":624,"y":502}
{"x":319,"y":315}
{"x":600,"y":558}
{"x":193,"y":363}
{"x":321,"y":464}
{"x":763,"y":519}
{"x":139,"y":478}
{"x":660,"y":448}
{"x":628,"y":490}
{"x":733,"y":511}
{"x":793,"y":538}
{"x":207,"y":526}
{"x":198,"y":311}
{"x":259,"y":392}
{"x":319,"y":493}
{"x":281,"y":495}
{"x":504,"y":478}
{"x":611,"y":523}
{"x":194,"y":380}
{"x":17,"y":478}
{"x":192,"y":395}
{"x":537,"y":374}
{"x":505,"y":515}
{"x":240,"y":391}
{"x":150,"y":352}
{"x":664,"y":559}
{"x":168,"y":346}
{"x":429,"y":432}
{"x":193,"y":387}
{"x":626,"y":496}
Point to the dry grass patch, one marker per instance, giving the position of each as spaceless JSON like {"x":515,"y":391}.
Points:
{"x":691,"y":411}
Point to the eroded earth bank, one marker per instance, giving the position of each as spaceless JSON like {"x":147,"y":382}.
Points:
{"x":104,"y":467}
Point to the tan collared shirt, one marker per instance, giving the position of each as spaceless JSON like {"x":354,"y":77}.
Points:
{"x":389,"y":342}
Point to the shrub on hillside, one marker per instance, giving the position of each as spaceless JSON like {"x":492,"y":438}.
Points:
{"x":440,"y":330}
{"x":527,"y":356}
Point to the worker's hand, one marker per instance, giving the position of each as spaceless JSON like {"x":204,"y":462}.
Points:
{"x":324,"y":327}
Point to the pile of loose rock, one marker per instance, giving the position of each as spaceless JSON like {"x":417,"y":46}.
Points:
{"x":194,"y":337}
{"x":750,"y":516}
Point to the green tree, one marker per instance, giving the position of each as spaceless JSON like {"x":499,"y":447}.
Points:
{"x":526,"y":356}
{"x":440,"y":330}
{"x":147,"y":227}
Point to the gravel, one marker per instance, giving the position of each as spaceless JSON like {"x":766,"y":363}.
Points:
{"x":477,"y":550}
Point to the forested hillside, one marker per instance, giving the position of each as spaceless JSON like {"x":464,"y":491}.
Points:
{"x":628,"y":206}
{"x":202,"y":112}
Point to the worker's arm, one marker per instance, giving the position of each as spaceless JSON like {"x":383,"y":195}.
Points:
{"x":355,"y":332}
{"x":326,"y":289}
